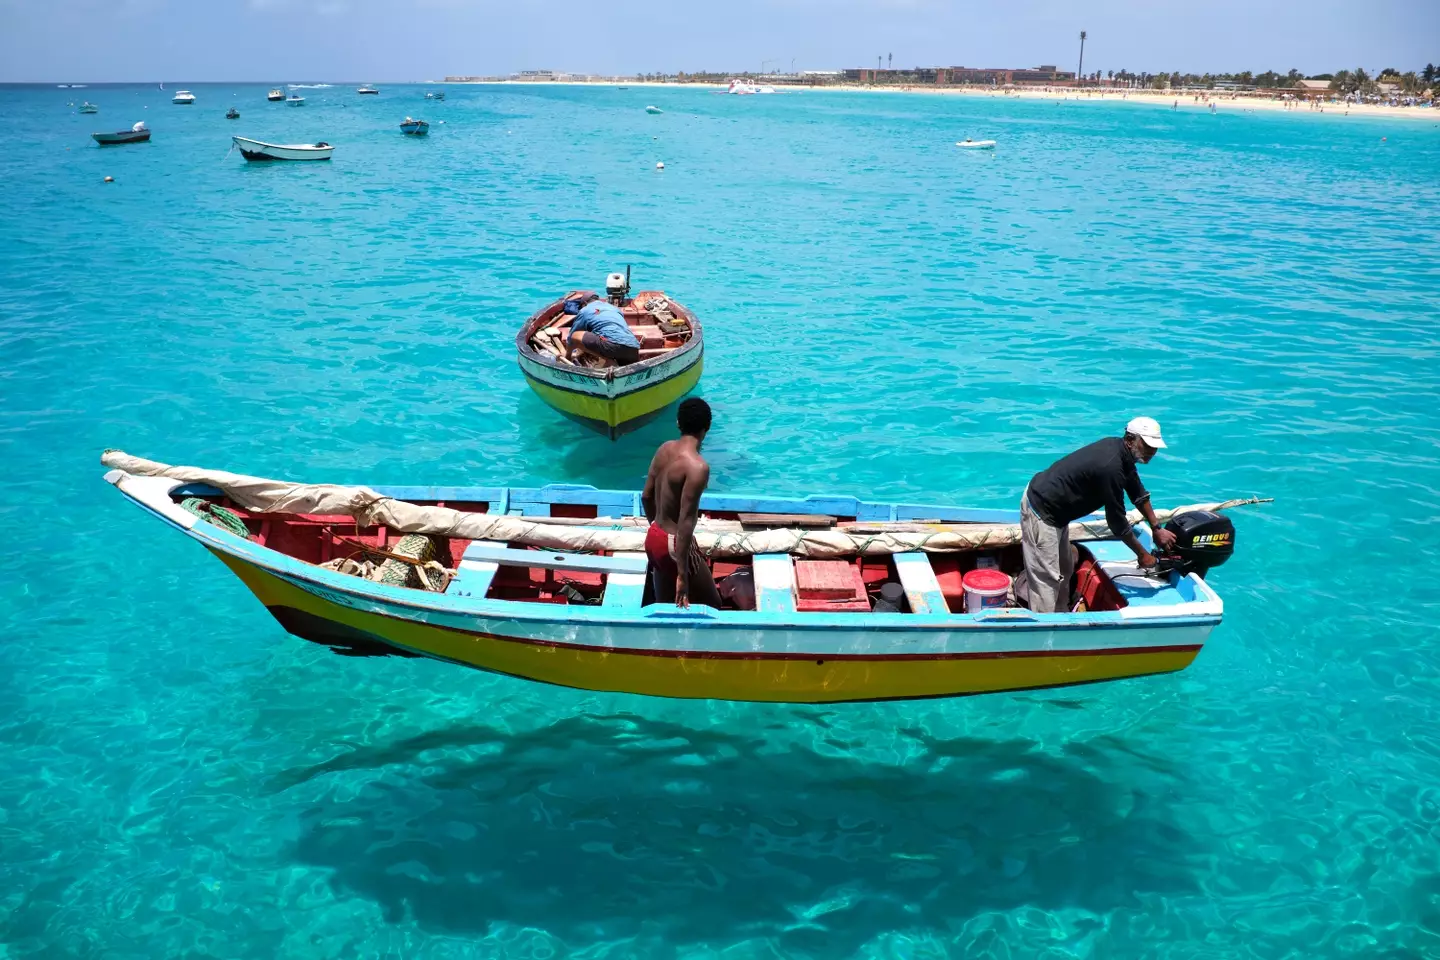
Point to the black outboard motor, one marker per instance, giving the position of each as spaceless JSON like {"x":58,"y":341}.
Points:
{"x":1202,"y":540}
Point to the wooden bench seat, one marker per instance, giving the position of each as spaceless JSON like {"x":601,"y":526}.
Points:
{"x":922,"y":589}
{"x":625,"y":591}
{"x":475,"y":575}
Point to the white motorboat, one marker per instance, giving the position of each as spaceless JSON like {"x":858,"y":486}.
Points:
{"x":653,"y":109}
{"x":295,"y":100}
{"x":741,"y":87}
{"x":183,"y":97}
{"x":275,"y":96}
{"x":367,"y":88}
{"x":976,"y":144}
{"x":765,"y":89}
{"x":259,"y":150}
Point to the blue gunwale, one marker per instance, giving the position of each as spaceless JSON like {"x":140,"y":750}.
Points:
{"x":696,"y":616}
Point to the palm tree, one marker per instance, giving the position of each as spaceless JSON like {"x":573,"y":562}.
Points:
{"x":1079,"y":70}
{"x":1409,"y":82}
{"x":1429,"y":74}
{"x":1341,"y":82}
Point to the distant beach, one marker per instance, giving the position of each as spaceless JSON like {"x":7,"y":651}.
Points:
{"x":1187,"y":100}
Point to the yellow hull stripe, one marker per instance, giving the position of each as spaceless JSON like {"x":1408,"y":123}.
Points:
{"x":622,"y":409}
{"x":818,"y":680}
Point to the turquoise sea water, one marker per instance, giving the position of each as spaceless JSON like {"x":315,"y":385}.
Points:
{"x":886,"y":316}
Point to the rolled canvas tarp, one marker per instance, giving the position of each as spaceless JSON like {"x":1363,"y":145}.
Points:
{"x":715,"y":538}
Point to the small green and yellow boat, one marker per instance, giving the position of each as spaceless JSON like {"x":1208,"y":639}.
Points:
{"x":614,"y":399}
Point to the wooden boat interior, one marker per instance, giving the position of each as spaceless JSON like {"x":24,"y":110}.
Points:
{"x":659,"y":323}
{"x":778,"y":583}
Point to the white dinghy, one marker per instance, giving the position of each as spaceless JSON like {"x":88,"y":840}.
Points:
{"x":258,"y":150}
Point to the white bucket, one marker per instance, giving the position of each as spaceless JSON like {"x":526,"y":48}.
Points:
{"x":985,"y":590}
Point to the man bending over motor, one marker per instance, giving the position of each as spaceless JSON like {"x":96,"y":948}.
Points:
{"x":678,"y":476}
{"x":1100,"y":475}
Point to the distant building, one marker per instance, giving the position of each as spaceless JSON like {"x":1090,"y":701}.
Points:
{"x":1313,"y":86}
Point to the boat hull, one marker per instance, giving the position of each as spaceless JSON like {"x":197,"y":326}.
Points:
{"x":623,"y":658}
{"x":257,"y":151}
{"x":415,"y":129}
{"x":630,"y":406}
{"x":114,"y":139}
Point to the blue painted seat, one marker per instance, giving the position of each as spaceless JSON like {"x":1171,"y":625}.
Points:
{"x":774,"y":583}
{"x":625,"y":590}
{"x":498,"y":553}
{"x":475,"y":575}
{"x":922,"y":589}
{"x":1107,"y":551}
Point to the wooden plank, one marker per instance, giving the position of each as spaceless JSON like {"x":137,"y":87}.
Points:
{"x":549,"y":560}
{"x":475,"y":575}
{"x":774,"y":583}
{"x":808,"y":521}
{"x":625,"y":590}
{"x":922,"y":589}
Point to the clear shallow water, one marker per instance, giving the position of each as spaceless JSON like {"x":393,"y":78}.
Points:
{"x":179,"y":777}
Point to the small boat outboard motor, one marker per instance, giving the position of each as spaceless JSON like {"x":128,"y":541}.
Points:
{"x":617,"y":287}
{"x":1203,"y":540}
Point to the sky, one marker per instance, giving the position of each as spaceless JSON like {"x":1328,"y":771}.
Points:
{"x":399,"y":40}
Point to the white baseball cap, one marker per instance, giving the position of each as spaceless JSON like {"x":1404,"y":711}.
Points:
{"x":1148,"y":430}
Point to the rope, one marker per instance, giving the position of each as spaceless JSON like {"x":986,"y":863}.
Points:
{"x":226,"y":520}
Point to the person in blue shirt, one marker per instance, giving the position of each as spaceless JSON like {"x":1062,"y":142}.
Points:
{"x":599,"y":329}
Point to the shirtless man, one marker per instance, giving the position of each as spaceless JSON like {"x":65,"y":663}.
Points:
{"x":677,"y":478}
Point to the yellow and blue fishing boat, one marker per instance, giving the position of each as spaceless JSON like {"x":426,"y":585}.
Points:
{"x":824,"y":599}
{"x":614,"y":399}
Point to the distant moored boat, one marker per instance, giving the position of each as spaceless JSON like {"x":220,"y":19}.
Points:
{"x":88,"y":107}
{"x":136,"y":134}
{"x":275,"y":95}
{"x":416,"y":128}
{"x":294,"y":100}
{"x":366,"y":88}
{"x":232,"y":114}
{"x":259,"y":150}
{"x":183,"y":97}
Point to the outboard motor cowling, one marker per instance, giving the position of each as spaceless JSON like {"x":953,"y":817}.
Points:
{"x":1203,"y":539}
{"x":617,"y":287}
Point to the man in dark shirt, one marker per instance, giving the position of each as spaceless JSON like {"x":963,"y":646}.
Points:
{"x":1100,"y":475}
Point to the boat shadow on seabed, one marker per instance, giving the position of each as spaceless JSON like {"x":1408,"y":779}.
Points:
{"x":602,"y":827}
